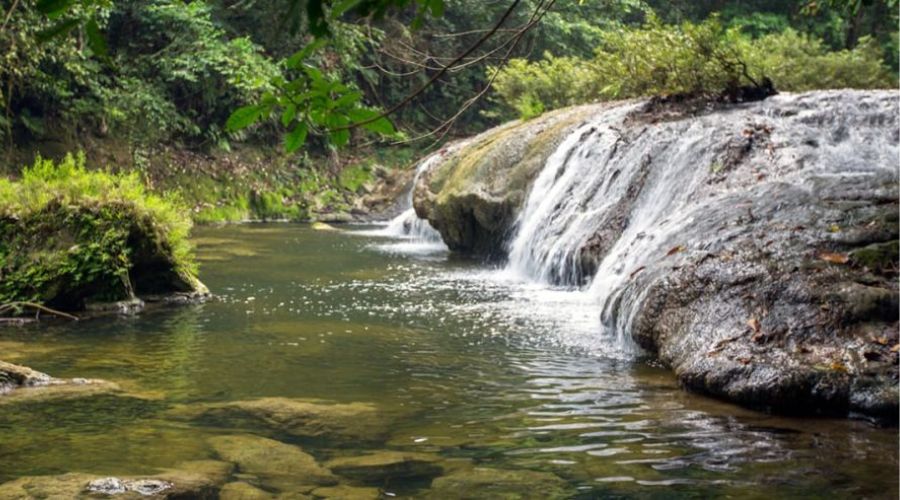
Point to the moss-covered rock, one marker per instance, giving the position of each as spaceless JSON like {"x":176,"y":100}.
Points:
{"x":20,"y":383}
{"x":69,"y":237}
{"x":483,"y":482}
{"x":305,"y":418}
{"x":277,"y":464}
{"x":381,"y":466}
{"x":473,"y":194}
{"x":201,"y":480}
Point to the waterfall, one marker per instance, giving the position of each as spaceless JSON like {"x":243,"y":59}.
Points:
{"x":618,"y":203}
{"x":408,"y":225}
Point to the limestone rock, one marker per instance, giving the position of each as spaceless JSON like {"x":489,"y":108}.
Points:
{"x":306,"y":418}
{"x":276,"y":463}
{"x":377,"y":467}
{"x":482,"y":482}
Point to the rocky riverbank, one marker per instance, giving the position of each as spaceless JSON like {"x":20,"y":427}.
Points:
{"x":753,"y":249}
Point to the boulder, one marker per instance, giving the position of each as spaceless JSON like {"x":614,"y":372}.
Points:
{"x":20,"y":383}
{"x":195,"y":480}
{"x":751,"y":248}
{"x":483,"y":482}
{"x":305,"y":418}
{"x":243,"y":491}
{"x":344,"y":492}
{"x":275,"y":463}
{"x":380,"y":466}
{"x":472,"y":195}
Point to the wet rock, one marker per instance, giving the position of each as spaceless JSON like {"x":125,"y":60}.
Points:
{"x":344,"y":492}
{"x":483,"y":482}
{"x":276,"y":463}
{"x":753,"y":248}
{"x":243,"y":491}
{"x":473,"y":195}
{"x":378,"y":467}
{"x":307,"y":418}
{"x":116,"y":486}
{"x":20,"y":383}
{"x":194,"y":480}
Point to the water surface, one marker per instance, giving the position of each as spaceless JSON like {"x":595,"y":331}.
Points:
{"x":476,"y":368}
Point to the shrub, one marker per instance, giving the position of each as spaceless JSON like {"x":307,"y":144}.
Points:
{"x":702,"y":58}
{"x":68,"y":234}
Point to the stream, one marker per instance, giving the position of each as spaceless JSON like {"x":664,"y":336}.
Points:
{"x":471,"y":364}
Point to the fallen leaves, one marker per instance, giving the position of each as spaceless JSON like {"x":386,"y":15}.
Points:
{"x":834,"y":258}
{"x":674,"y":250}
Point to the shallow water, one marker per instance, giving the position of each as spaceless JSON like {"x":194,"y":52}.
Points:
{"x":476,"y":368}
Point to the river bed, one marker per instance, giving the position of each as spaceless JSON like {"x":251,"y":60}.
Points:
{"x":471,"y":366}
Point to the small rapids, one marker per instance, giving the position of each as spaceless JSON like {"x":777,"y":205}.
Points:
{"x":616,"y":198}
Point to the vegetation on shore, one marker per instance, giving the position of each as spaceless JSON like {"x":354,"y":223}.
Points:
{"x":705,"y":58}
{"x":68,"y":234}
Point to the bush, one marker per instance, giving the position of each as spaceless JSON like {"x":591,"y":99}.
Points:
{"x":68,"y":235}
{"x":703,"y":58}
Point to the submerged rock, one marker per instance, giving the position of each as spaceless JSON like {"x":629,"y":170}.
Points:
{"x":482,"y":482}
{"x":20,"y":383}
{"x":276,"y":463}
{"x":200,"y":480}
{"x":380,"y":466}
{"x":753,"y":249}
{"x":243,"y":491}
{"x":306,"y":418}
{"x":344,"y":492}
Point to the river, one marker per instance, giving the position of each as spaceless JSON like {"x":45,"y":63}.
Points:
{"x":470,"y":365}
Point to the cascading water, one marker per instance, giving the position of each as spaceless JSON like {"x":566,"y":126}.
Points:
{"x":619,"y":198}
{"x":408,"y":225}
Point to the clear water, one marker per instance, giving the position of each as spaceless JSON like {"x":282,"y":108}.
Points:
{"x":504,"y":374}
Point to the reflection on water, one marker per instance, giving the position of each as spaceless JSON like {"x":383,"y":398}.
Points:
{"x":481,"y":371}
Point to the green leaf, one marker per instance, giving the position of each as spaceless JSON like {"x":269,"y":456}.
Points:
{"x":243,"y":117}
{"x":340,"y":137}
{"x":295,"y":138}
{"x":301,"y":55}
{"x":53,"y":7}
{"x":343,"y":6}
{"x":290,"y":112}
{"x":58,"y":29}
{"x":96,"y":40}
{"x":381,"y":126}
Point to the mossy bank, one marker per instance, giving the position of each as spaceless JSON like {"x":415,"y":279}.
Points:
{"x":73,"y":238}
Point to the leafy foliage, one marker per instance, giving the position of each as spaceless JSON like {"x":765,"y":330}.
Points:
{"x":699,"y":58}
{"x":65,"y":228}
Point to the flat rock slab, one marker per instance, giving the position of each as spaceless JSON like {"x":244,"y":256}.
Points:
{"x":196,"y":480}
{"x":306,"y":418}
{"x":344,"y":492}
{"x":274,"y":462}
{"x":499,"y":483}
{"x":381,"y":466}
{"x":20,"y":383}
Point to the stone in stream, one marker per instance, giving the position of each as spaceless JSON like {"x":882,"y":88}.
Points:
{"x":344,"y":492}
{"x":196,"y":480}
{"x":243,"y":491}
{"x":280,"y":465}
{"x":482,"y":482}
{"x":20,"y":383}
{"x":306,"y":418}
{"x":382,"y":466}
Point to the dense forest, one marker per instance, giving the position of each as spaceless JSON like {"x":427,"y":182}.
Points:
{"x":134,"y":77}
{"x":297,"y":110}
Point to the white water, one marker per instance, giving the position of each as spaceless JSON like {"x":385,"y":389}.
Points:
{"x":640,"y":192}
{"x":408,"y":225}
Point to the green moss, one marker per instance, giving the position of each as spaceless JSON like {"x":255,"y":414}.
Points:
{"x":878,"y":257}
{"x":67,"y":234}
